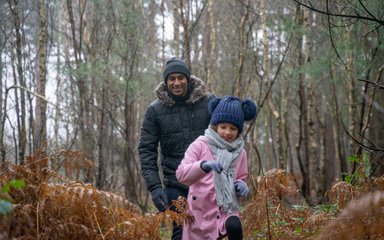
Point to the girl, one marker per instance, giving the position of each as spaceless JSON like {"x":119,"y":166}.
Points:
{"x":215,"y":168}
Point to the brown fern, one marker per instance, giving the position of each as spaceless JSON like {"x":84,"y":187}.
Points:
{"x":271,"y":213}
{"x":52,"y":206}
{"x":341,"y":193}
{"x":360,"y":219}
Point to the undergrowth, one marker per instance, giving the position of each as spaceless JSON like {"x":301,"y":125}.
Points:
{"x":277,"y":210}
{"x":54,"y":204}
{"x":51,"y":206}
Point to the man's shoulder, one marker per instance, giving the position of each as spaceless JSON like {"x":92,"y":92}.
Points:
{"x":153,"y":107}
{"x":210,"y":96}
{"x":205,"y":99}
{"x":155,"y":102}
{"x":158,"y":104}
{"x":159,"y":108}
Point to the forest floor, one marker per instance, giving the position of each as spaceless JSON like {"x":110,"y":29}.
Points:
{"x":49,"y":206}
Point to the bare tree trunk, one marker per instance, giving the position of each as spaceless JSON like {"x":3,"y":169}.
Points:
{"x":17,"y":107}
{"x":132,"y":178}
{"x":66,"y":45}
{"x":189,"y":19}
{"x":211,"y":42}
{"x":238,"y":84}
{"x":196,"y":48}
{"x":268,"y":144}
{"x":176,"y":31}
{"x":2,"y":99}
{"x":20,"y":107}
{"x":321,"y":171}
{"x":371,"y":121}
{"x":340,"y":150}
{"x":302,"y":145}
{"x":313,"y":156}
{"x":302,"y":136}
{"x":40,"y":135}
{"x":162,"y":9}
{"x":376,"y":134}
{"x":352,"y":98}
{"x":103,"y":126}
{"x":282,"y":122}
{"x":103,"y":121}
{"x":58,"y":89}
{"x":186,"y":35}
{"x":374,"y":124}
{"x":278,"y":133}
{"x":130,"y":66}
{"x":85,"y":117}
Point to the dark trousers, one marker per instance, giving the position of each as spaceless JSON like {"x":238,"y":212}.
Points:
{"x":234,"y":228}
{"x":172,"y":194}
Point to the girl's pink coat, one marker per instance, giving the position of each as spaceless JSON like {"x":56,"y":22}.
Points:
{"x":209,"y":220}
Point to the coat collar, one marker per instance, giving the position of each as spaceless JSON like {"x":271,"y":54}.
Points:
{"x":198,"y":92}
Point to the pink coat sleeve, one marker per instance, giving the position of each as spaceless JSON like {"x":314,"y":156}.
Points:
{"x":242,"y":167}
{"x":189,"y":170}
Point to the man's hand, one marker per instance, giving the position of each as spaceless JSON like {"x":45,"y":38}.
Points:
{"x":159,"y":198}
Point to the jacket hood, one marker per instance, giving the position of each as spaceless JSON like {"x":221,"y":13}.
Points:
{"x":198,"y":92}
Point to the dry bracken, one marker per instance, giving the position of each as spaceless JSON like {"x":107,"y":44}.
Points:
{"x":53,"y":206}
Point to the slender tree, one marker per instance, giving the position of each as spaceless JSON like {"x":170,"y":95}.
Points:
{"x":18,"y":75}
{"x":40,"y":136}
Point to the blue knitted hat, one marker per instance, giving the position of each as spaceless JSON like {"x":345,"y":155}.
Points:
{"x":232,"y":110}
{"x":175,"y":65}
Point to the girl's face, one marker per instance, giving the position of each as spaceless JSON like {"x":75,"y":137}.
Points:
{"x":227,"y":131}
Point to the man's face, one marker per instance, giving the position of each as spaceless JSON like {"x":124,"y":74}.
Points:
{"x":177,"y":84}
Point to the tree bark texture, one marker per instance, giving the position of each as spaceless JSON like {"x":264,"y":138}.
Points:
{"x":40,"y":135}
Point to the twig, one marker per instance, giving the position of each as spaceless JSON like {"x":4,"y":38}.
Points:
{"x":267,"y":209}
{"x":33,"y":93}
{"x":98,"y":226}
{"x":340,"y":15}
{"x":37,"y":220}
{"x":369,"y":149}
{"x":371,"y":82}
{"x":331,"y":38}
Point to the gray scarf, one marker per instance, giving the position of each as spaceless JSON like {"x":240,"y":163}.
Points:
{"x":227,"y":154}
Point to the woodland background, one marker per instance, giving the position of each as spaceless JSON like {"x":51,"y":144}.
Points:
{"x":76,"y":77}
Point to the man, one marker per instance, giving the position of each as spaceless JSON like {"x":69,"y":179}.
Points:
{"x":174,"y":120}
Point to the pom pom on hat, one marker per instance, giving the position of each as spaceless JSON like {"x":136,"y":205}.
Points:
{"x":175,"y":65}
{"x":250,"y":109}
{"x":213,"y":104}
{"x":232,"y":110}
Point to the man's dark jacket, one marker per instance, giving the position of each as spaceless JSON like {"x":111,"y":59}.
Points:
{"x":175,"y":125}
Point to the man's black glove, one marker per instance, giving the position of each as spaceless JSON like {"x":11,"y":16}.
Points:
{"x":159,"y":198}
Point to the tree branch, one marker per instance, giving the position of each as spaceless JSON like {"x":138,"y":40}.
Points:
{"x":371,"y":82}
{"x":328,"y":13}
{"x":362,"y":145}
{"x":33,"y":93}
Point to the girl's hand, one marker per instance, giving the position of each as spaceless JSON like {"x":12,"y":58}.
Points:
{"x":241,"y":188}
{"x":209,"y":165}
